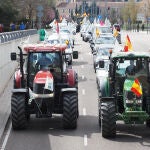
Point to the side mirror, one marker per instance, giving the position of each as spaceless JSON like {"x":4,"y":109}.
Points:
{"x":75,"y":54}
{"x":13,"y":56}
{"x":101,"y":63}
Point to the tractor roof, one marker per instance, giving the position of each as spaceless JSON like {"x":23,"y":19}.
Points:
{"x":130,"y":54}
{"x":39,"y":47}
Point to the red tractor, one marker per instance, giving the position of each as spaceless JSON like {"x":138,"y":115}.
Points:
{"x":44,"y":85}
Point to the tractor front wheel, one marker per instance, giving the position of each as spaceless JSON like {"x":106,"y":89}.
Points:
{"x":18,"y":111}
{"x":148,"y":123}
{"x":108,"y":119}
{"x":70,"y":110}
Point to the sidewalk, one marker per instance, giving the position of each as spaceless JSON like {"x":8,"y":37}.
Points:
{"x":5,"y":104}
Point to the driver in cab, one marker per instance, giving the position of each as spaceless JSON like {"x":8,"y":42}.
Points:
{"x":131,"y":69}
{"x":44,"y":61}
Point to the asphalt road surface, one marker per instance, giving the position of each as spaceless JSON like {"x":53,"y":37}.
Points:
{"x":47,"y":134}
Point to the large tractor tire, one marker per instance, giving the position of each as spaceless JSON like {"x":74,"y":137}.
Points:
{"x":18,"y":111}
{"x":148,"y":123}
{"x":70,"y":110}
{"x":99,"y":112}
{"x":108,"y":120}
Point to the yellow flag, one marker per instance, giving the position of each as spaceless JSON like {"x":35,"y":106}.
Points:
{"x":128,"y":45}
{"x":97,"y":32}
{"x":115,"y":33}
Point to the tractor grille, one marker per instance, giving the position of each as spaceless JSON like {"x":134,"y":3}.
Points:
{"x":131,"y":99}
{"x":39,"y":89}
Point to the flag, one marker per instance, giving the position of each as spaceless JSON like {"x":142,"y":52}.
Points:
{"x":136,"y":88}
{"x":101,"y":23}
{"x":128,"y":45}
{"x":115,"y":34}
{"x":97,"y":32}
{"x":57,"y":28}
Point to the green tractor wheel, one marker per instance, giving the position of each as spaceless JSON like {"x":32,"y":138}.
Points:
{"x":108,"y":119}
{"x":99,"y":112}
{"x":18,"y":111}
{"x":148,"y":123}
{"x":70,"y":110}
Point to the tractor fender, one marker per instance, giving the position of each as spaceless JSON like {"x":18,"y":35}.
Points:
{"x":17,"y":79}
{"x":103,"y":87}
{"x":69,"y":90}
{"x":71,"y":77}
{"x":21,"y":90}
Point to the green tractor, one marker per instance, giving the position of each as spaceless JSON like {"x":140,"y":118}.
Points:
{"x":125,"y":92}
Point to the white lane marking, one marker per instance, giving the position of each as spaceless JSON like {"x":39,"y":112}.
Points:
{"x":82,"y":66}
{"x":84,"y":111}
{"x":6,"y":137}
{"x":85,"y":140}
{"x":81,"y":58}
{"x":83,"y":77}
{"x":83,"y":91}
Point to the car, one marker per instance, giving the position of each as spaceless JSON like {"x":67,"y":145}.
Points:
{"x":101,"y":53}
{"x":103,"y":39}
{"x":88,"y":34}
{"x":102,"y":29}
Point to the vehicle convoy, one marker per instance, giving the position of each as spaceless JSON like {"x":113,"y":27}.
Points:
{"x":44,"y":85}
{"x":124,"y":91}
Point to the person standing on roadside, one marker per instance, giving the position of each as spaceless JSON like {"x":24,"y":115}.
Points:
{"x":138,"y":27}
{"x":142,"y":27}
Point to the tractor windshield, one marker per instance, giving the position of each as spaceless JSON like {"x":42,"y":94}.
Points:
{"x":137,"y":65}
{"x":44,"y":60}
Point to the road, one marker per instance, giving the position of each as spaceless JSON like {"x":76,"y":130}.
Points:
{"x":47,"y":134}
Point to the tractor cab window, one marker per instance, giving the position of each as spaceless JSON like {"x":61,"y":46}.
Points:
{"x":121,"y":67}
{"x":44,"y":60}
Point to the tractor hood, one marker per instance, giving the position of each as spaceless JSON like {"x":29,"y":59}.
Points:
{"x":42,"y":77}
{"x":128,"y":84}
{"x":133,"y":85}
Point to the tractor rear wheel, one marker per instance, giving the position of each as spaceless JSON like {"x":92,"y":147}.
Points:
{"x":18,"y":111}
{"x":70,"y":110}
{"x":99,"y":112}
{"x":108,"y":119}
{"x":148,"y":123}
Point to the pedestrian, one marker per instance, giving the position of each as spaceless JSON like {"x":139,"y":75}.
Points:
{"x":12,"y":26}
{"x":138,"y":27}
{"x":142,"y":27}
{"x":22,"y":26}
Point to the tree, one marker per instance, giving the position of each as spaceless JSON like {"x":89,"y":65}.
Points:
{"x":129,"y":12}
{"x":8,"y":13}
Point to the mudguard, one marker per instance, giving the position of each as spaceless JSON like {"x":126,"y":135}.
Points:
{"x":17,"y":79}
{"x":21,"y":90}
{"x":72,"y":78}
{"x":103,"y":87}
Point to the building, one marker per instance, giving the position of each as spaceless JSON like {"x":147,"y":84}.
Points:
{"x":106,"y":6}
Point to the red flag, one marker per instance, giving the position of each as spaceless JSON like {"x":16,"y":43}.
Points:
{"x":128,"y":45}
{"x":136,"y":88}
